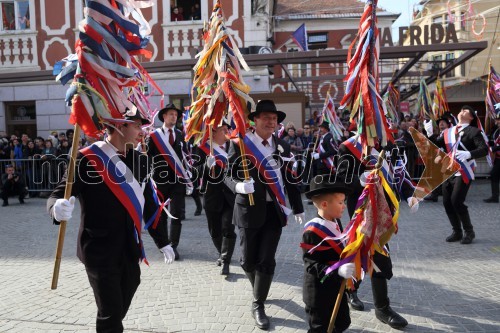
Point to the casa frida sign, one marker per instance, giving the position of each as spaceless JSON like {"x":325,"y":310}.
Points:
{"x":421,"y":35}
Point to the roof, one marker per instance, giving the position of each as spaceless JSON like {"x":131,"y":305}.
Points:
{"x":300,"y":9}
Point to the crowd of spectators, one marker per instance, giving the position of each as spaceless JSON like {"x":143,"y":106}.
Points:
{"x":39,"y":162}
{"x":179,"y":13}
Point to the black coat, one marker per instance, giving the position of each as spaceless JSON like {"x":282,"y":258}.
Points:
{"x":215,"y":191}
{"x":162,"y":173}
{"x":472,"y":140}
{"x":106,"y":235}
{"x":247,"y":216}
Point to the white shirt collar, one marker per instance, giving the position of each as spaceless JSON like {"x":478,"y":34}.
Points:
{"x":269,"y":140}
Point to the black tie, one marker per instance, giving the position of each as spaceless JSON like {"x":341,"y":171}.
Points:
{"x":265,"y":143}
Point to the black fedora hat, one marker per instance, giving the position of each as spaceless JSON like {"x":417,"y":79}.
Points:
{"x":325,"y":125}
{"x":266,"y":105}
{"x":445,"y":119}
{"x":169,"y":106}
{"x":324,"y":184}
{"x":136,"y":114}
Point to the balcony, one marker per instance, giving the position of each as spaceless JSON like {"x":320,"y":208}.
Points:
{"x":182,"y":39}
{"x":18,"y":51}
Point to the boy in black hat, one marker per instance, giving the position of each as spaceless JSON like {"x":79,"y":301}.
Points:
{"x":320,"y":296}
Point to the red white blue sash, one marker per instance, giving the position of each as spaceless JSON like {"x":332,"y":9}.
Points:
{"x":451,"y":142}
{"x":167,"y":151}
{"x":219,"y":154}
{"x":328,"y":161}
{"x":268,"y":168}
{"x":328,"y":231}
{"x":120,"y":180}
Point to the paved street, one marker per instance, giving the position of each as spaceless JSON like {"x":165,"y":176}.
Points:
{"x":437,"y":286}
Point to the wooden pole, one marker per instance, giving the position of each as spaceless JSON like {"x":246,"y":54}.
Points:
{"x":245,"y":169}
{"x":67,"y":195}
{"x":336,"y":308}
{"x":210,"y":131}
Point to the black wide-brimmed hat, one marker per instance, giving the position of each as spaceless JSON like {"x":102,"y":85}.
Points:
{"x":136,"y":114}
{"x":170,"y":106}
{"x":266,"y":105}
{"x":324,"y":184}
{"x":446,"y":120}
{"x":325,"y":125}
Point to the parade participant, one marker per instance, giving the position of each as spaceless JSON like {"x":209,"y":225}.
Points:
{"x":218,"y":199}
{"x":325,"y":152}
{"x":350,"y":168}
{"x":165,"y":147}
{"x":260,"y":225}
{"x":464,"y":142}
{"x":109,"y":238}
{"x":320,"y":294}
{"x":495,"y":172}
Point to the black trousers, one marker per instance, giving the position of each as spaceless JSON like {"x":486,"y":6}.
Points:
{"x":13,"y":188}
{"x":220,"y":223}
{"x":495,"y":178}
{"x":454,"y":194}
{"x":177,"y":193}
{"x":319,"y":318}
{"x":259,"y":245}
{"x":114,"y":289}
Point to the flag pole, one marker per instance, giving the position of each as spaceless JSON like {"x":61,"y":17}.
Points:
{"x":67,"y":195}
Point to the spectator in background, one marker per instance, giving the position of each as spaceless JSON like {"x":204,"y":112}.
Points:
{"x":63,"y":149}
{"x":176,"y":15}
{"x":195,"y":12}
{"x":12,"y":184}
{"x":294,"y":141}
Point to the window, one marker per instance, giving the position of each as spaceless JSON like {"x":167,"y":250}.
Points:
{"x":437,"y":19}
{"x":317,"y":41}
{"x":21,"y":118}
{"x":449,"y":59}
{"x":185,"y":10}
{"x":15,"y":15}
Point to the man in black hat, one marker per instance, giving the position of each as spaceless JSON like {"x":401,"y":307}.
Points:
{"x":465,"y":143}
{"x":495,"y":171}
{"x":320,"y":292}
{"x":165,"y":147}
{"x":218,"y":199}
{"x":260,"y":223}
{"x":112,"y":206}
{"x":327,"y":149}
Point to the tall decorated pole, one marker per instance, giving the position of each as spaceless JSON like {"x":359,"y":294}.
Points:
{"x":492,"y":99}
{"x":424,"y":103}
{"x":440,"y":102}
{"x":218,"y":87}
{"x":107,"y":80}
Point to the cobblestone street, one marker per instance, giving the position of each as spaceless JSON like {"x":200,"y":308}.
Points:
{"x":437,"y":286}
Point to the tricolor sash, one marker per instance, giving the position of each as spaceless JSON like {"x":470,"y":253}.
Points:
{"x":167,"y":151}
{"x":120,"y":180}
{"x":268,"y":168}
{"x":328,"y":231}
{"x":452,"y":142}
{"x":328,"y":161}
{"x":219,"y":154}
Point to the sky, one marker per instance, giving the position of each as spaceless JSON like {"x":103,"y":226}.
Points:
{"x":405,"y":7}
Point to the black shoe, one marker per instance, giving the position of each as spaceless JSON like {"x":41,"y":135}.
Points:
{"x":259,"y":314}
{"x":218,"y":262}
{"x":309,"y":202}
{"x":469,"y":236}
{"x":431,"y":198}
{"x":197,"y":212}
{"x":390,"y":317}
{"x":5,"y":203}
{"x":176,"y":254}
{"x":354,"y":301}
{"x":21,"y":201}
{"x":491,"y":200}
{"x":454,"y":237}
{"x":225,"y":269}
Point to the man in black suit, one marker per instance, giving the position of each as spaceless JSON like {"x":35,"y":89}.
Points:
{"x":326,"y":151}
{"x":109,"y":238}
{"x":218,"y":199}
{"x":260,"y":224}
{"x":495,"y":171}
{"x":465,"y":143}
{"x":169,"y":170}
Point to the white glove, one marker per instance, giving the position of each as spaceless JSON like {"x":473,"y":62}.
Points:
{"x":428,"y":127}
{"x":168,"y":253}
{"x":299,"y":218}
{"x":210,"y":161}
{"x":245,"y":187}
{"x":346,"y":270}
{"x":63,"y":209}
{"x":315,"y":156}
{"x":189,"y":190}
{"x":413,"y":203}
{"x":462,"y":155}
